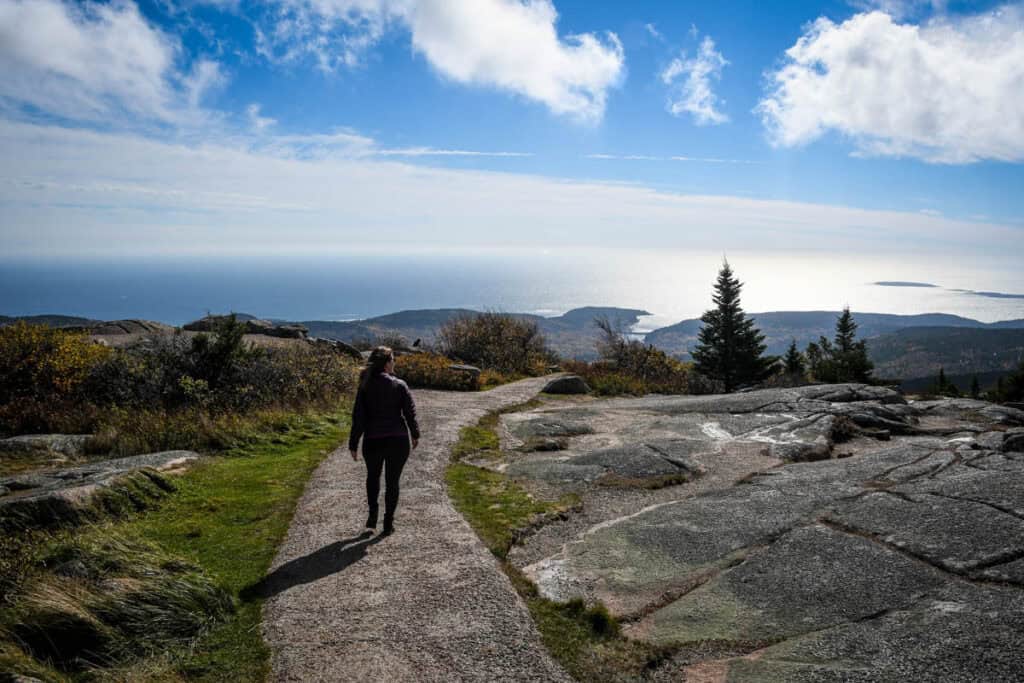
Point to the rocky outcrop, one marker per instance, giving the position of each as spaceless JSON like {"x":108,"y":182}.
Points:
{"x":881,"y":561}
{"x":338,"y":347}
{"x":122,"y":327}
{"x":470,"y":370}
{"x":253,"y":326}
{"x":569,"y":384}
{"x":72,"y":445}
{"x":47,"y":499}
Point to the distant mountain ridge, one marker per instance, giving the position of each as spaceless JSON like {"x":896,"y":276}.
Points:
{"x":571,"y":334}
{"x":902,"y":346}
{"x":960,"y":351}
{"x":780,"y":327}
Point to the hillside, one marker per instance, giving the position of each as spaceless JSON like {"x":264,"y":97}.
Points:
{"x":51,"y":320}
{"x":572,"y":334}
{"x":920,"y":351}
{"x":779,"y":327}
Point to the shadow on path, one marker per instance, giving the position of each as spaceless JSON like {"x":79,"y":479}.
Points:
{"x":328,"y":560}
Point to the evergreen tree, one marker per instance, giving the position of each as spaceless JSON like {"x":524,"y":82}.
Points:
{"x":943,"y":387}
{"x":794,"y":361}
{"x":975,"y":387}
{"x":815,"y":356}
{"x":1013,"y":388}
{"x":844,"y":359}
{"x":729,"y":347}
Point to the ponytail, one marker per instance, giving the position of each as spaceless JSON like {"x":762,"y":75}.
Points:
{"x":375,"y":365}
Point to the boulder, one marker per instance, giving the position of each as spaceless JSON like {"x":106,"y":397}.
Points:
{"x":569,"y":384}
{"x":337,"y":346}
{"x":72,"y":445}
{"x":468,"y":369}
{"x":1013,"y":441}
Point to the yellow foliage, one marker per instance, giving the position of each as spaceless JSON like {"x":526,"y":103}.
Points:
{"x":37,"y":361}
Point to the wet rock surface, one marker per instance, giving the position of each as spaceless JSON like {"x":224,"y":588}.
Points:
{"x":830,"y":532}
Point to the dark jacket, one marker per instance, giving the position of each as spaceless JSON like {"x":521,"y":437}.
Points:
{"x":383,"y":408}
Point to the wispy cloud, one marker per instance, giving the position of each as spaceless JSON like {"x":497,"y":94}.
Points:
{"x":690,"y":83}
{"x":432,"y":152}
{"x":66,"y":190}
{"x":645,"y":157}
{"x":100,"y":63}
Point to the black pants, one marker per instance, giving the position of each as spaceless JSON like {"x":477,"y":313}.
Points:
{"x":388,"y":453}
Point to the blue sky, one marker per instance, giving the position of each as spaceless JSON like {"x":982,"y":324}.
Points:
{"x":218,"y":125}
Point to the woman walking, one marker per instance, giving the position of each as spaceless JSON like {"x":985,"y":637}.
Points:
{"x":384,"y":416}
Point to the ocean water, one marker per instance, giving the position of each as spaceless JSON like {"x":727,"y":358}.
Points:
{"x":671,"y":285}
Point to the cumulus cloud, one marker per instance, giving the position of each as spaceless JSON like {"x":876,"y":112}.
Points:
{"x":91,"y":61}
{"x":690,"y":85}
{"x":950,"y":90}
{"x":511,"y":45}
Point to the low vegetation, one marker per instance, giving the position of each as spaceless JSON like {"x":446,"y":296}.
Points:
{"x":202,"y":392}
{"x":498,"y":342}
{"x":585,"y":639}
{"x":160,"y":593}
{"x":630,"y":367}
{"x":433,"y":371}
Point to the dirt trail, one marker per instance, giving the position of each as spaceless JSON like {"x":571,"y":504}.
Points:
{"x":426,"y":604}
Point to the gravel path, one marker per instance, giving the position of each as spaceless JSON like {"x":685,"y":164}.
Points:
{"x":426,"y":604}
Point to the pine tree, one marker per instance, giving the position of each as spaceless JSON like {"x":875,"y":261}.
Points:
{"x":794,"y":361}
{"x":943,"y":387}
{"x":844,"y":359}
{"x":729,"y":347}
{"x":975,"y":387}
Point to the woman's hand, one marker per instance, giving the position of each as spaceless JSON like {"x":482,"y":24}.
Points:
{"x":354,"y":454}
{"x":415,"y":443}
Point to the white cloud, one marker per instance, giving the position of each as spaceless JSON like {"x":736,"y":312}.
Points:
{"x":693,"y":93}
{"x":257,"y":122}
{"x":512,"y":45}
{"x":434,"y":152}
{"x":645,"y":157}
{"x":65,"y":190}
{"x":950,"y":90}
{"x":91,"y":61}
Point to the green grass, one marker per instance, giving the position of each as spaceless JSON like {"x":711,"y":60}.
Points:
{"x":225,"y":522}
{"x":497,"y":508}
{"x":229,"y":516}
{"x":585,"y":639}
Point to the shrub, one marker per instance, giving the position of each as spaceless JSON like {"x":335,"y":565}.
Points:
{"x":168,"y":384}
{"x":496,"y":341}
{"x":628,"y":366}
{"x":431,"y":371}
{"x":37,"y":361}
